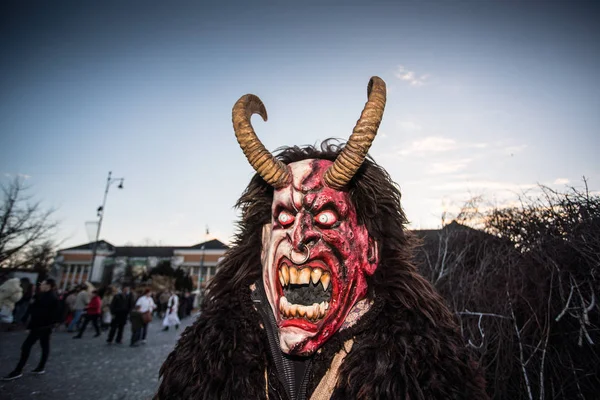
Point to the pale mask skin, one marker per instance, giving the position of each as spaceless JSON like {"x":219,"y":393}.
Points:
{"x":315,"y":257}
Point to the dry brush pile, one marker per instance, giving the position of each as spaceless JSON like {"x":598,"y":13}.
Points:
{"x":525,"y":288}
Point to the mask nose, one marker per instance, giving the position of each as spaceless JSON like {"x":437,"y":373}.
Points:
{"x":303,"y":233}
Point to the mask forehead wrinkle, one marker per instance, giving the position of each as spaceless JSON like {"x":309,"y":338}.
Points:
{"x":301,"y":170}
{"x":307,"y":180}
{"x":283,"y":197}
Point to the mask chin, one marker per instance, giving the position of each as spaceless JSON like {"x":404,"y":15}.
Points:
{"x":293,"y":341}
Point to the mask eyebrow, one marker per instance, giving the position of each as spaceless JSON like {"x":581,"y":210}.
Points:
{"x":283,"y":207}
{"x":318,"y":206}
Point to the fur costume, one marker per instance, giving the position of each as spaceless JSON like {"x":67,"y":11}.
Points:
{"x":10,"y":292}
{"x":318,"y":297}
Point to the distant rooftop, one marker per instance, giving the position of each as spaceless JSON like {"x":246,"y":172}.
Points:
{"x":148,"y":251}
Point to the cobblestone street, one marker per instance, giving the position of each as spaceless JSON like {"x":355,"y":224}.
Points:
{"x":88,"y":368}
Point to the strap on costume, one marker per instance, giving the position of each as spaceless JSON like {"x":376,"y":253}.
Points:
{"x":329,"y":381}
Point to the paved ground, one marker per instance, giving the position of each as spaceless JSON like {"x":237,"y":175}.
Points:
{"x":88,"y":368}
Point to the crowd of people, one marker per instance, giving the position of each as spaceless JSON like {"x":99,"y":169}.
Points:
{"x":107,"y":310}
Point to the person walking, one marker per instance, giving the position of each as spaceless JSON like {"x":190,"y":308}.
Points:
{"x":146,"y":305}
{"x":81,"y":302}
{"x":106,"y":313}
{"x":44,"y":314}
{"x":120,"y":307}
{"x":171,"y":317}
{"x":163,"y":300}
{"x":136,"y":326}
{"x":71,"y":298}
{"x":94,"y":311}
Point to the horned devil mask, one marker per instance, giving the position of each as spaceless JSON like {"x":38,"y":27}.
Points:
{"x":316,"y":256}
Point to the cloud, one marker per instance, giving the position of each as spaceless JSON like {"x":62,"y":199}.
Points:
{"x":409,"y":126}
{"x":449,"y":167}
{"x":437,"y":144}
{"x":20,"y":175}
{"x":561,"y":181}
{"x":411,"y":77}
{"x":511,"y":150}
{"x":483,"y":184}
{"x":430,"y":144}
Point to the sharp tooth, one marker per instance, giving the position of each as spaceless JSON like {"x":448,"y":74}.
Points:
{"x":293,"y":275}
{"x":326,"y":305}
{"x":293,"y":310}
{"x":315,"y":275}
{"x":304,"y":276}
{"x":325,"y":279}
{"x":310,"y":312}
{"x":286,"y":274}
{"x":281,"y":280}
{"x":287,"y":309}
{"x":301,"y":311}
{"x":315,"y":308}
{"x":322,"y":309}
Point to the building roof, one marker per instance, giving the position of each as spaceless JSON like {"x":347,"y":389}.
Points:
{"x":102,"y":245}
{"x":211,"y":245}
{"x":428,"y":235}
{"x":145,"y":251}
{"x":149,"y":251}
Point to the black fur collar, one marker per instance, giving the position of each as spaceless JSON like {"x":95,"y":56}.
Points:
{"x":397,"y":354}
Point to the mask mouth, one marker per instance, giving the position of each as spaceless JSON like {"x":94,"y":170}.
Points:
{"x":306,"y":291}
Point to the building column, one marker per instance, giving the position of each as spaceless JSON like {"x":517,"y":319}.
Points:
{"x":74,"y":273}
{"x":81,"y":272}
{"x":205,"y":273}
{"x":64,"y":275}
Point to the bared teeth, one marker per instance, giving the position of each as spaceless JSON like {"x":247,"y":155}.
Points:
{"x":313,"y":312}
{"x":325,"y":279}
{"x":315,"y":275}
{"x":301,"y":311}
{"x":310,"y":312}
{"x":304,"y":276}
{"x":285,"y":272}
{"x":281,"y":280}
{"x":293,"y":275}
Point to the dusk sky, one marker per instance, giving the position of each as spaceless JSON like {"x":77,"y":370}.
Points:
{"x":484,"y":98}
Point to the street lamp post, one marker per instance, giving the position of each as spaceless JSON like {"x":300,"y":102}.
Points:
{"x":109,"y":181}
{"x":200,"y":271}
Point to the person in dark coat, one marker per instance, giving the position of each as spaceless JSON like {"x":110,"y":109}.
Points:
{"x":120,"y":307}
{"x":44,"y":315}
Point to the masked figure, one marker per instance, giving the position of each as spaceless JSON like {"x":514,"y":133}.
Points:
{"x":318,"y":297}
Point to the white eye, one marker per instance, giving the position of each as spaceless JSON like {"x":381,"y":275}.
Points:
{"x":285,"y":218}
{"x":326,"y":218}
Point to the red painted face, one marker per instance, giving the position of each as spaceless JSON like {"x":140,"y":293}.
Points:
{"x":315,"y":258}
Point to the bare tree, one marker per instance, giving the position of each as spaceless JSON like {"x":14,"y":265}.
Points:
{"x":524,"y":288}
{"x":26,"y":228}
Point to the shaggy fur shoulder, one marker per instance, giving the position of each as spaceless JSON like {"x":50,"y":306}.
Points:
{"x":221,"y":356}
{"x":400,"y":354}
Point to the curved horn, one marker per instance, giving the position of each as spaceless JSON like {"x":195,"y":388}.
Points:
{"x":354,"y":152}
{"x":273,"y":171}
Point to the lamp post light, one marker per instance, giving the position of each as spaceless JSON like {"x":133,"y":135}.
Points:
{"x":100,"y":213}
